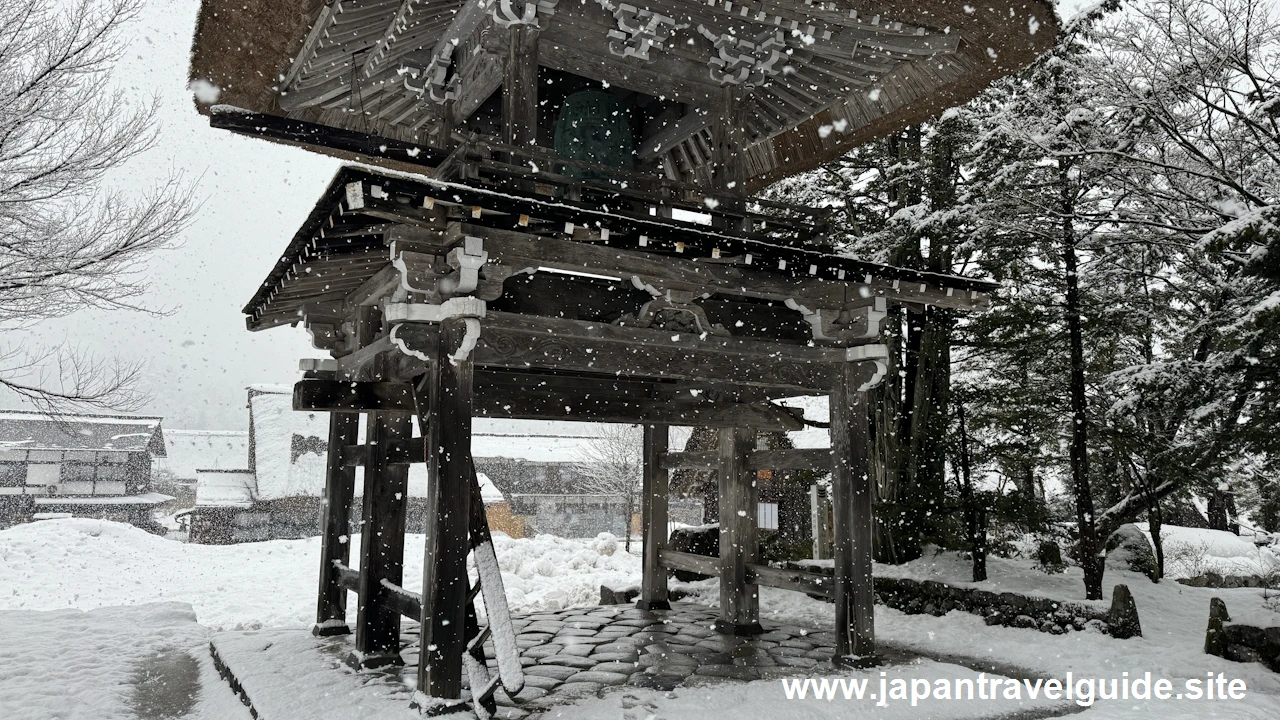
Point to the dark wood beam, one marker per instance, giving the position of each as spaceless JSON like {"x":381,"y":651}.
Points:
{"x":386,"y":491}
{"x":701,"y":564}
{"x":534,"y":403}
{"x":796,"y":459}
{"x":402,"y":452}
{"x":343,"y":396}
{"x":655,"y":492}
{"x":335,"y":550}
{"x":805,"y":582}
{"x":521,"y":342}
{"x":524,"y":250}
{"x":520,"y":87}
{"x":357,"y":144}
{"x":852,"y":513}
{"x":739,"y":537}
{"x":445,"y":415}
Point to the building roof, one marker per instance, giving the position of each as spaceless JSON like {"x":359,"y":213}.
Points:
{"x":225,"y":488}
{"x":866,"y":67}
{"x":346,"y":247}
{"x":190,"y":450}
{"x":288,"y":446}
{"x":151,"y":498}
{"x":30,"y":430}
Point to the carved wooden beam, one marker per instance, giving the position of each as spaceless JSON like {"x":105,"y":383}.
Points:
{"x":524,"y":341}
{"x":519,"y":250}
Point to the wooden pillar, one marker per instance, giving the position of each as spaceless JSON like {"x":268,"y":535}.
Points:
{"x":386,"y":489}
{"x":852,"y":517}
{"x":729,"y":175}
{"x":335,"y":545}
{"x":446,"y":420}
{"x":520,"y":88}
{"x":739,"y":543}
{"x":653,"y":513}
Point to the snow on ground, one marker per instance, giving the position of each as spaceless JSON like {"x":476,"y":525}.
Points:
{"x":1173,"y":622}
{"x":83,"y":563}
{"x":120,"y":662}
{"x":72,"y":565}
{"x":1190,"y":552}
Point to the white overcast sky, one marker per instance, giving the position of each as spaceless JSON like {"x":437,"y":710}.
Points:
{"x":199,"y":358}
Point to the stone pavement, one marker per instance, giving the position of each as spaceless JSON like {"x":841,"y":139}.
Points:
{"x":581,"y":652}
{"x":568,"y":656}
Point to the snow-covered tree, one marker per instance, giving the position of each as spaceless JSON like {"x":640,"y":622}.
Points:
{"x":67,"y":241}
{"x":613,"y":464}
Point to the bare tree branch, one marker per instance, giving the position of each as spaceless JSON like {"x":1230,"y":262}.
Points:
{"x":68,"y":241}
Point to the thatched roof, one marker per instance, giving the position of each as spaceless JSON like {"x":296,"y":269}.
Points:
{"x":251,"y":50}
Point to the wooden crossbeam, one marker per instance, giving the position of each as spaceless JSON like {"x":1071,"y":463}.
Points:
{"x":337,"y":396}
{"x":805,"y":582}
{"x":404,"y":601}
{"x":798,"y":459}
{"x":398,"y":453}
{"x":534,"y":403}
{"x":756,"y":574}
{"x":522,"y":341}
{"x":689,"y":562}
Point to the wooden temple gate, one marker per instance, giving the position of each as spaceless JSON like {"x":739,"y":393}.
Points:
{"x":522,"y":253}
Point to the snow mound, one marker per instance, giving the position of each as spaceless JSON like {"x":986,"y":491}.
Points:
{"x":1191,"y":552}
{"x":551,"y":573}
{"x":84,"y":563}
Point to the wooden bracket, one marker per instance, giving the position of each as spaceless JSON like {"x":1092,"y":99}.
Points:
{"x":853,"y":322}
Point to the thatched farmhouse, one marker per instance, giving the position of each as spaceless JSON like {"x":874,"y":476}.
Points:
{"x":83,"y":465}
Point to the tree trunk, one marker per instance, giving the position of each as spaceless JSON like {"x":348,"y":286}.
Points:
{"x":1091,"y":551}
{"x":1155,"y":518}
{"x":1217,"y":511}
{"x":626,"y":525}
{"x":976,"y":526}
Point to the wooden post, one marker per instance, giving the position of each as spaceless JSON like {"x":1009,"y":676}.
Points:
{"x":852,"y":515}
{"x":335,"y":545}
{"x":386,"y":488}
{"x":653,"y":511}
{"x":446,"y":419}
{"x":739,"y":543}
{"x":729,"y":175}
{"x":520,"y":88}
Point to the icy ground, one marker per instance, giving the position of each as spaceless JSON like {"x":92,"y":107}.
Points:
{"x":57,"y":660}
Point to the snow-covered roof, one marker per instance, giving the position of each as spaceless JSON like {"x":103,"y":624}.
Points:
{"x":535,"y":442}
{"x":489,"y":491}
{"x":152,"y":498}
{"x":288,"y":446}
{"x":222,"y":488}
{"x":29,"y":430}
{"x":192,"y":450}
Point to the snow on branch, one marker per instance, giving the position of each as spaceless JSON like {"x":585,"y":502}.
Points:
{"x":68,"y":239}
